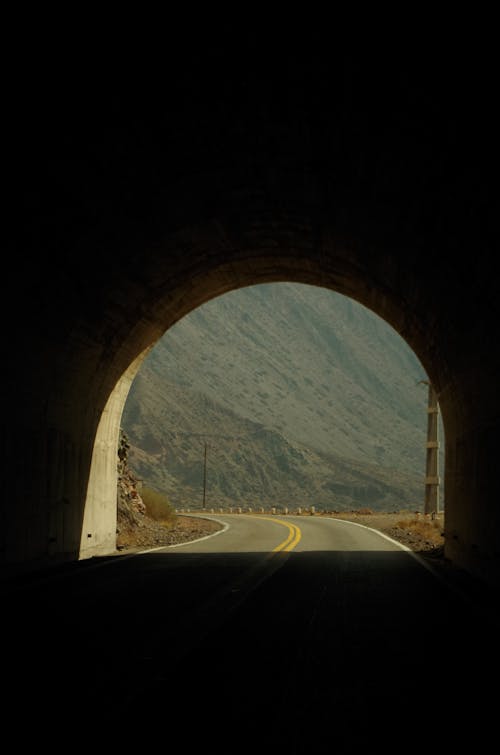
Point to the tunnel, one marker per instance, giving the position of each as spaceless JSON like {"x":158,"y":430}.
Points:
{"x":134,"y":199}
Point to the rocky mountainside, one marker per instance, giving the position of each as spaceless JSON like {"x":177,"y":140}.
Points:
{"x":299,"y":395}
{"x":130,"y":506}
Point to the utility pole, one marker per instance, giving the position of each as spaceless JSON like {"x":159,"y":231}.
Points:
{"x":431,"y":500}
{"x":209,"y":435}
{"x":205,"y":476}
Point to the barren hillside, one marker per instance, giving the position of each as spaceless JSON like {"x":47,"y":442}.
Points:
{"x":301,"y":395}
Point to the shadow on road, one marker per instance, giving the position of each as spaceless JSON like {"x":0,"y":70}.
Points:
{"x":308,"y":651}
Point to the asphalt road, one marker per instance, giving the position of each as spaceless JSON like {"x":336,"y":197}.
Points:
{"x":300,"y":634}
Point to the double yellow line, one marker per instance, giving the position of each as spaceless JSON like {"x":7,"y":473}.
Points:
{"x":294,"y":534}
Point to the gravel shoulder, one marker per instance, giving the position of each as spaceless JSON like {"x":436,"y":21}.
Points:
{"x":418,"y":532}
{"x":149,"y":533}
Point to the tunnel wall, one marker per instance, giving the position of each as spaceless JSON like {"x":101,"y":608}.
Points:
{"x":98,"y":531}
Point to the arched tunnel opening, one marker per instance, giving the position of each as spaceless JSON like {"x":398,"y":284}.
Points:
{"x":299,"y":396}
{"x":90,"y":392}
{"x":99,"y":525}
{"x":134,"y":210}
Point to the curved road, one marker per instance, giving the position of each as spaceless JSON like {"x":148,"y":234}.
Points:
{"x":298,"y":634}
{"x":256,"y":532}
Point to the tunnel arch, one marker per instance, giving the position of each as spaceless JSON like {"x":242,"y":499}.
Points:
{"x":114,"y":322}
{"x":133,"y":209}
{"x":222,"y":278}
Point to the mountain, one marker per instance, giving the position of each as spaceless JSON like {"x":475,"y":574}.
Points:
{"x":301,"y":395}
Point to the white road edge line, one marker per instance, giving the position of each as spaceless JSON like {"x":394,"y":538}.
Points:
{"x":379,"y":532}
{"x":414,"y":555}
{"x":225,"y":526}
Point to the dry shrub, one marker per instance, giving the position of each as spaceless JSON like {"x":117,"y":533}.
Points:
{"x":430,"y":529}
{"x":158,"y":506}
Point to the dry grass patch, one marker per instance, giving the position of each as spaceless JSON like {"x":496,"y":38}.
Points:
{"x":428,"y":529}
{"x":158,"y":507}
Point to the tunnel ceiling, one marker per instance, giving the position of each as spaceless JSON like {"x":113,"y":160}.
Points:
{"x":379,"y":171}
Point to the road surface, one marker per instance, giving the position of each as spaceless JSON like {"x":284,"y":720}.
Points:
{"x":294,"y":634}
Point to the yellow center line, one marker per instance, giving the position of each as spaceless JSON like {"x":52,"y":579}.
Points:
{"x":298,"y":534}
{"x":293,"y":538}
